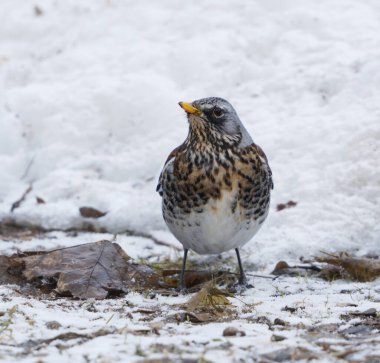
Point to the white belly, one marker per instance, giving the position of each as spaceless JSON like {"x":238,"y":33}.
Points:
{"x":217,"y":228}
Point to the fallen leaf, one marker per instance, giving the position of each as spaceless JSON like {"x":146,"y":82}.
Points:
{"x":233,"y":332}
{"x":89,"y":212}
{"x":10,"y":231}
{"x":92,"y":270}
{"x":10,"y":270}
{"x":356,"y":268}
{"x":283,"y":206}
{"x":209,"y":297}
{"x":38,"y":11}
{"x":40,"y":200}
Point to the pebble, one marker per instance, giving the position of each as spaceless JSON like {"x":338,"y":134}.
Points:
{"x":233,"y":332}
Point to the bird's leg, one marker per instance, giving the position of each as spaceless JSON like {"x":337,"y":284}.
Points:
{"x":242,"y":278}
{"x":182,"y":286}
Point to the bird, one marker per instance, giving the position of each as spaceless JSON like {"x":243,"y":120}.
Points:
{"x":216,"y":185}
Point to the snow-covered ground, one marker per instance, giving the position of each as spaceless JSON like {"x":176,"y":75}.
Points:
{"x":88,"y":114}
{"x":89,"y":94}
{"x":287,"y":319}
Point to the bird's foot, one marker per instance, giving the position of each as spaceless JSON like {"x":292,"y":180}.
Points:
{"x":241,"y":286}
{"x":242,"y":280}
{"x":182,"y":290}
{"x":239,"y":289}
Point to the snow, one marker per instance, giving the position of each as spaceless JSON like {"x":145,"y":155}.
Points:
{"x":89,"y":102}
{"x":117,"y":330}
{"x":88,"y":115}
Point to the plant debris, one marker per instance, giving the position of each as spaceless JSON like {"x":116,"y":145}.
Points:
{"x":18,"y":202}
{"x":231,"y":331}
{"x":209,"y":297}
{"x":354,"y":268}
{"x":11,"y":231}
{"x":341,"y":266}
{"x":282,"y":268}
{"x":89,"y":212}
{"x":283,"y":206}
{"x":92,"y":270}
{"x":38,"y":11}
{"x":39,"y":200}
{"x":100,"y":270}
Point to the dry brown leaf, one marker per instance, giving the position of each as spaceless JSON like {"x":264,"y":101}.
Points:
{"x":89,"y":212}
{"x":92,"y":270}
{"x":10,"y":270}
{"x":38,"y":11}
{"x":283,"y":206}
{"x":231,"y":331}
{"x":39,"y":200}
{"x":208,"y":297}
{"x":10,"y":231}
{"x":359,"y":269}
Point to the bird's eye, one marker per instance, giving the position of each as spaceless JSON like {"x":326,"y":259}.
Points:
{"x":217,"y":112}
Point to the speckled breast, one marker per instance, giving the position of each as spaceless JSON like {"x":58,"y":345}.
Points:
{"x":216,"y":202}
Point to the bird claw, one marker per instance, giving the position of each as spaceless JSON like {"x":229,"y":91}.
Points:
{"x":242,"y":285}
{"x":182,"y":290}
{"x":242,"y":281}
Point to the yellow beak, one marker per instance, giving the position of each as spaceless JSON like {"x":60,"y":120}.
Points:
{"x":189,"y":108}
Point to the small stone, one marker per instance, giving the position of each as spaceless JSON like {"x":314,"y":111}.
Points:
{"x":277,"y":338}
{"x":283,"y":355}
{"x":53,"y":325}
{"x":233,"y":332}
{"x":279,"y":321}
{"x":370,"y":312}
{"x":262,"y":320}
{"x":289,"y":308}
{"x":357,"y":330}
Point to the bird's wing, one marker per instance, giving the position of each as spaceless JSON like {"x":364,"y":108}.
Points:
{"x":168,"y":167}
{"x":261,"y":153}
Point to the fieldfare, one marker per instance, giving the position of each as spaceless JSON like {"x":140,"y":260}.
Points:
{"x":215,"y":187}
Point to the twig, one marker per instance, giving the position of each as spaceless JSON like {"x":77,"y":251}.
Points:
{"x":263,"y":276}
{"x":151,"y":237}
{"x":18,"y":202}
{"x":27,"y":168}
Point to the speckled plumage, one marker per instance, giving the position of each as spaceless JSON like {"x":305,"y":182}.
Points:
{"x":216,"y":186}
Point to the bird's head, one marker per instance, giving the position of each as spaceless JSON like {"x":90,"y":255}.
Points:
{"x":214,"y":120}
